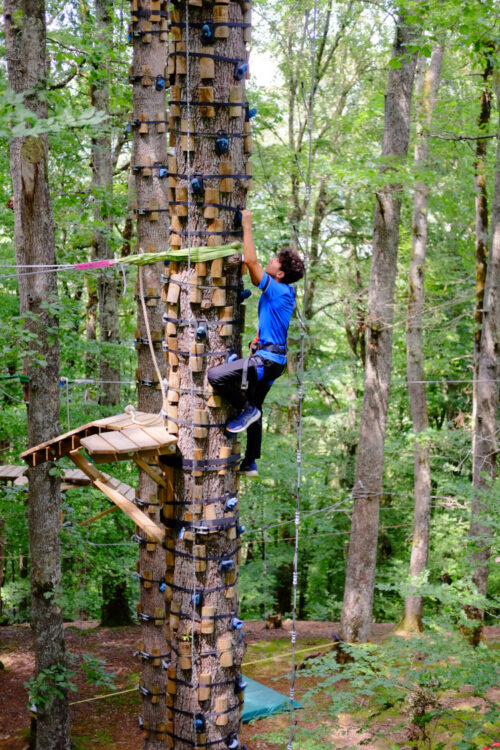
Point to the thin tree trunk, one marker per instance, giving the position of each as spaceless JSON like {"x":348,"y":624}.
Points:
{"x":34,"y":243}
{"x":149,"y":147}
{"x":481,"y":231}
{"x":427,"y":93}
{"x":360,"y":571}
{"x":102,"y":187}
{"x":485,"y":428}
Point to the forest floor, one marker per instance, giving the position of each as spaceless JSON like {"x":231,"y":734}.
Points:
{"x":111,"y":723}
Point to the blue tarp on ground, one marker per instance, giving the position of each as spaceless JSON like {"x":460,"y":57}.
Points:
{"x":261,"y":701}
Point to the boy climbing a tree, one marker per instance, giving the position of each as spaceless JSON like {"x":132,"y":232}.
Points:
{"x":267,"y":358}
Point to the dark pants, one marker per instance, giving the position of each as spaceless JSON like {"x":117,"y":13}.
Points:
{"x":226,"y":381}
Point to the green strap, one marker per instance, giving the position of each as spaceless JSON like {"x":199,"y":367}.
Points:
{"x":197,"y":254}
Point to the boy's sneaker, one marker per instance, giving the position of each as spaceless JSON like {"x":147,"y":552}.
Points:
{"x":247,"y":417}
{"x":248,"y":468}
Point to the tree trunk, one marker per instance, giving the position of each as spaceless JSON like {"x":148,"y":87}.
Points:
{"x":102,"y":188}
{"x":34,"y":243}
{"x":486,"y":424}
{"x":481,"y":232}
{"x":114,"y":609}
{"x":361,"y":562}
{"x":149,"y":147}
{"x":206,"y":646}
{"x":427,"y":92}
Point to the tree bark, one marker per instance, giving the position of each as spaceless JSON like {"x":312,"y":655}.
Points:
{"x":149,"y":147}
{"x":481,"y":229}
{"x":486,"y":424}
{"x":34,"y":243}
{"x":205,"y":630}
{"x":361,"y":562}
{"x":102,"y":188}
{"x":427,"y":93}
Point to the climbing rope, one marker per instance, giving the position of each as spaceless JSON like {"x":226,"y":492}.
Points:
{"x":300,"y":374}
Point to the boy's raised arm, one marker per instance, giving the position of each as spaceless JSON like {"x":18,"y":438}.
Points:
{"x":249,"y":255}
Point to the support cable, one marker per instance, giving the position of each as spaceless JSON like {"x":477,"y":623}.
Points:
{"x":300,"y":374}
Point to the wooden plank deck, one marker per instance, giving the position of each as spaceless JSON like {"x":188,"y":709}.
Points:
{"x":116,"y":437}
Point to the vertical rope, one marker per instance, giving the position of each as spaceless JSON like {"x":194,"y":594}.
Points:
{"x":300,"y":377}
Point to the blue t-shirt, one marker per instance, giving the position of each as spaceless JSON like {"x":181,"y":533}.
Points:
{"x":275,"y":311}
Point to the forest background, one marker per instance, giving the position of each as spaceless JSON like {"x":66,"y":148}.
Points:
{"x":353,"y":58}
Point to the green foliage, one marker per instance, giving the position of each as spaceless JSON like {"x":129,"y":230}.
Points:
{"x":50,"y":683}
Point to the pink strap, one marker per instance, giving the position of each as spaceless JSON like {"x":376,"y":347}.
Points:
{"x":94,"y":264}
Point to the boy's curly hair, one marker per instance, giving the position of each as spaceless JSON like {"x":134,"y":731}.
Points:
{"x":291,"y":264}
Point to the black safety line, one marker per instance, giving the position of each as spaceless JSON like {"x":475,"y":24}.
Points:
{"x":211,"y":176}
{"x":205,"y":232}
{"x":181,"y":282}
{"x":217,"y":523}
{"x":198,"y":323}
{"x":213,"y":558}
{"x":200,"y":24}
{"x":194,"y":424}
{"x":199,"y":204}
{"x":183,"y":103}
{"x":221,"y":353}
{"x":222,"y":58}
{"x":202,"y":591}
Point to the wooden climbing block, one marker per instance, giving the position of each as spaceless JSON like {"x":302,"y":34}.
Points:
{"x":216,"y":225}
{"x":216,"y":268}
{"x":161,"y":122}
{"x":173,"y":359}
{"x":146,"y":27}
{"x":155,"y":7}
{"x":200,"y":269}
{"x":195,"y":291}
{"x":174,"y":376}
{"x":196,"y":3}
{"x":146,"y":170}
{"x":247,"y":33}
{"x":153,"y":210}
{"x":247,"y":144}
{"x":187,"y":141}
{"x":181,"y":196}
{"x":175,"y":95}
{"x":175,"y":608}
{"x":219,"y":295}
{"x":221,"y":709}
{"x":180,"y":60}
{"x":221,"y":15}
{"x":172,"y":396}
{"x":196,"y":365}
{"x":175,"y":31}
{"x":200,"y":415}
{"x":200,"y":565}
{"x":164,"y":31}
{"x":198,"y":455}
{"x":226,"y":314}
{"x":146,"y":79}
{"x":204,"y":683}
{"x":210,"y":513}
{"x":235,"y":97}
{"x":172,"y":168}
{"x":226,"y":184}
{"x":171,"y":680}
{"x":224,"y":452}
{"x":211,"y":196}
{"x":174,"y":291}
{"x":207,"y":625}
{"x":225,"y":648}
{"x":175,"y":226}
{"x":184,"y":660}
{"x":207,"y":64}
{"x":206,"y":95}
{"x":249,"y":172}
{"x":143,"y":126}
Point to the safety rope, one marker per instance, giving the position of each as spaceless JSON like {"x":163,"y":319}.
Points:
{"x":300,"y":376}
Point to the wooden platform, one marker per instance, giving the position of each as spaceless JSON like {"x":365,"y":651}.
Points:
{"x":71,"y":478}
{"x":117,"y":438}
